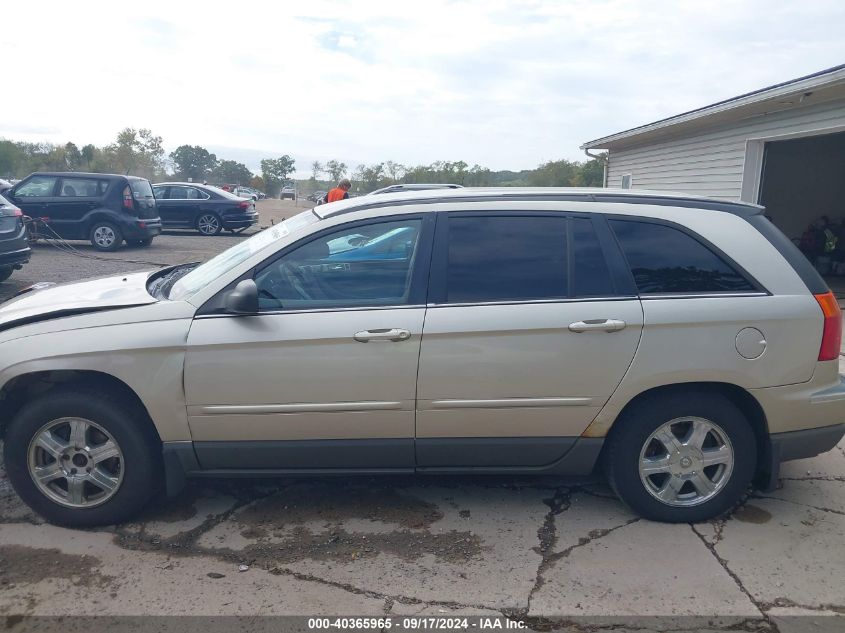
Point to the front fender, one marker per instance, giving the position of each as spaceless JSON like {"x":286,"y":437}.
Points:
{"x":148,"y":357}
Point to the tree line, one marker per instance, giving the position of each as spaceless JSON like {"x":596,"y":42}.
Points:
{"x":139,"y":152}
{"x":554,"y":173}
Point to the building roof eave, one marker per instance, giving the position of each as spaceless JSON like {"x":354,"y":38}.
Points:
{"x":738,"y":106}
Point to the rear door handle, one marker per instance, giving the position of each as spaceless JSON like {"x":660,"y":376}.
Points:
{"x":394,"y":335}
{"x":603,"y":325}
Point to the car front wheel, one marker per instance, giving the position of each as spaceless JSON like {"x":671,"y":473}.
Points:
{"x":81,"y":459}
{"x":681,"y":457}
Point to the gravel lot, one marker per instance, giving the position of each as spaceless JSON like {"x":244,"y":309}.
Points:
{"x":545,"y":550}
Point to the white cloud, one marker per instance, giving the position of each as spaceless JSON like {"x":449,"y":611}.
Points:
{"x":503,"y":84}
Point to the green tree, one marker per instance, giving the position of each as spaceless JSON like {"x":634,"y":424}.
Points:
{"x":275,"y":171}
{"x":336,"y":170}
{"x":591,"y":173}
{"x":136,"y":152}
{"x":395,"y":171}
{"x":11,"y":158}
{"x":193,"y":162}
{"x":230,"y":171}
{"x":316,"y":169}
{"x":555,"y":173}
{"x":371,"y":177}
{"x":73,"y":157}
{"x":88,"y":153}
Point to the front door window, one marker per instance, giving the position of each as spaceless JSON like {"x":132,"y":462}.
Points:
{"x":367,"y":265}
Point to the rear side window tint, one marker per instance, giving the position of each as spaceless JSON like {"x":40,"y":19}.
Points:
{"x":141,"y":188}
{"x":83,"y":187}
{"x":504,"y":258}
{"x":666,"y":260}
{"x":591,"y":275}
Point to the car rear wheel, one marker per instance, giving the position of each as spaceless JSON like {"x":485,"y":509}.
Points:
{"x":105,"y":236}
{"x":209,"y":224}
{"x":81,"y":459}
{"x":681,"y":457}
{"x":5,"y":272}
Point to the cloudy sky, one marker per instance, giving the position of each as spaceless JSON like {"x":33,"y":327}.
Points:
{"x":500,"y":83}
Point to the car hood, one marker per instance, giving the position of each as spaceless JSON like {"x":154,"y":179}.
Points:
{"x":48,"y":301}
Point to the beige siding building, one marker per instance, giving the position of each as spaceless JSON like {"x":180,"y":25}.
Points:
{"x":782,"y":146}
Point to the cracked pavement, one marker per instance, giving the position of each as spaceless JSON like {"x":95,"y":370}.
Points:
{"x":539,"y":549}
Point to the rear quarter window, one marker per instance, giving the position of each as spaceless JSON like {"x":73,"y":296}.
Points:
{"x":666,"y":260}
{"x":141,"y":188}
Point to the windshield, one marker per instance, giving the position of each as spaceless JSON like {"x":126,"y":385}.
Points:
{"x":201,"y":276}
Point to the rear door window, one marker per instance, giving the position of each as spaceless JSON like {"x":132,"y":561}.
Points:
{"x":83,"y":187}
{"x":506,"y":258}
{"x":591,"y":277}
{"x":141,"y":189}
{"x":665,"y":260}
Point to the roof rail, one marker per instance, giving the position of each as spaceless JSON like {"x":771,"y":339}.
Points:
{"x":743,"y":209}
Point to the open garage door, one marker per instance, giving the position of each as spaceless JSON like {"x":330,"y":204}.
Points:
{"x":803,"y":189}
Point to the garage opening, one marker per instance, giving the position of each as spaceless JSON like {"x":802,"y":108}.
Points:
{"x":803,"y":189}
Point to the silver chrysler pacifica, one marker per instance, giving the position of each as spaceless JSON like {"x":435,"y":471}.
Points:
{"x":681,"y":345}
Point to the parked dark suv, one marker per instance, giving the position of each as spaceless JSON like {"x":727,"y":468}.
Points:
{"x":14,"y":247}
{"x":103,"y":208}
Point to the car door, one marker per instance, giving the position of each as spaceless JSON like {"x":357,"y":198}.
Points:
{"x":529,"y":330}
{"x":33,"y":194}
{"x":76,"y":198}
{"x":177,"y":209}
{"x":324,"y":376}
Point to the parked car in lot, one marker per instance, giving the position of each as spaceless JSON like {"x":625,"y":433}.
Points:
{"x":317,"y":196}
{"x":682,"y":344}
{"x":14,"y":245}
{"x":103,"y":208}
{"x":288,"y":192}
{"x":207,"y":209}
{"x":245,"y":192}
{"x":416,"y":186}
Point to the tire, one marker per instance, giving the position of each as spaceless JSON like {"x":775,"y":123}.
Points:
{"x":673,"y":484}
{"x":147,"y":241}
{"x":133,"y":475}
{"x":209,"y":224}
{"x":5,"y":273}
{"x":105,"y":236}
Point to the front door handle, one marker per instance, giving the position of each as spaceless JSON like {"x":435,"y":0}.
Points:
{"x":394,"y":335}
{"x":603,"y":325}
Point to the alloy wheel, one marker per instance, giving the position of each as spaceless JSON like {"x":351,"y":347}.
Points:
{"x":686,"y":462}
{"x":75,"y":462}
{"x":208,"y":224}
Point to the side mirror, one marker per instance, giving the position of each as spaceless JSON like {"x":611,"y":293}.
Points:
{"x":242,"y":299}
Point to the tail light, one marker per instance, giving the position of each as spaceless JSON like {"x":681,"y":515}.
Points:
{"x":17,"y":212}
{"x":244,"y":205}
{"x":128,"y":203}
{"x":832,"y":333}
